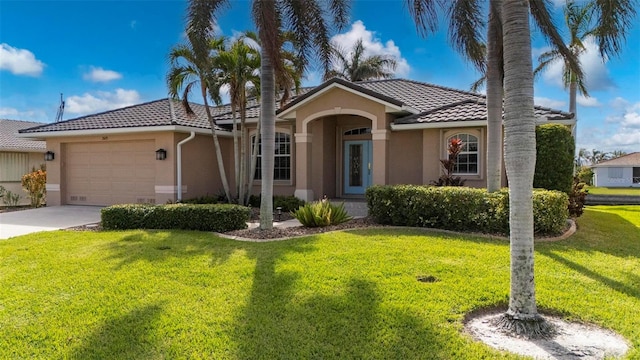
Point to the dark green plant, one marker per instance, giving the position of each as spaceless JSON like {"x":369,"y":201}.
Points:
{"x":449,"y":165}
{"x":554,"y":158}
{"x":577,"y":197}
{"x":321,"y":213}
{"x":202,"y":217}
{"x":461,"y":208}
{"x":208,"y":199}
{"x":287,"y":203}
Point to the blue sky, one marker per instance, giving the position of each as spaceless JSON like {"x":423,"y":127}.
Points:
{"x":108,"y":54}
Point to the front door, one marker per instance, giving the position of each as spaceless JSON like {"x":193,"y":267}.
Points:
{"x":357,"y":166}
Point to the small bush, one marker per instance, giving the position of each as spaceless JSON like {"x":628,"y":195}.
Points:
{"x":585,"y":175}
{"x":287,"y":203}
{"x":461,"y":208}
{"x":202,"y":217}
{"x":35,"y":184}
{"x":8,"y":197}
{"x":321,"y":213}
{"x":577,"y":197}
{"x":554,"y":158}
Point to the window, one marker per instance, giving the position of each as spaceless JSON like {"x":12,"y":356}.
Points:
{"x":615,"y":173}
{"x":636,"y":175}
{"x":467,"y":162}
{"x":358,"y":131}
{"x":282,"y":160}
{"x":13,"y":165}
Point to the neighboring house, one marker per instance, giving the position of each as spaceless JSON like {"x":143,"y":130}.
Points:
{"x":335,"y":140}
{"x":619,"y":172}
{"x":18,"y":156}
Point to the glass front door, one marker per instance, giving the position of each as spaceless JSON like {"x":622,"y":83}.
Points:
{"x":357,"y":166}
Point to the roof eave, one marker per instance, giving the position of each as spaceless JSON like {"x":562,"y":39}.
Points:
{"x":22,"y":149}
{"x":118,"y":131}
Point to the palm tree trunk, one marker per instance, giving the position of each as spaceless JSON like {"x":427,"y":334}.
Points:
{"x":254,"y":161}
{"x":267,"y":133}
{"x":236,"y":152}
{"x":573,"y":92}
{"x":494,"y":77}
{"x":520,"y":153}
{"x":242,"y":181}
{"x":216,"y":143}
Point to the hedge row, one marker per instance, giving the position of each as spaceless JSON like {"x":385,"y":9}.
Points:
{"x":209,"y":217}
{"x":462,"y":208}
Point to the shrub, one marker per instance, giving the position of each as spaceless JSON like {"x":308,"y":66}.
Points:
{"x":321,"y":213}
{"x":287,"y":203}
{"x":208,"y":199}
{"x":8,"y":197}
{"x":585,"y":175}
{"x":35,"y":184}
{"x":203,"y":217}
{"x":461,"y":208}
{"x":554,"y":158}
{"x":577,"y":197}
{"x":449,"y":165}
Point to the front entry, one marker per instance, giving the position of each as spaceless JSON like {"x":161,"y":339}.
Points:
{"x":357,"y":166}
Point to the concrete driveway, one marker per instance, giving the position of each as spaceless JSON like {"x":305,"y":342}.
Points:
{"x":16,"y":223}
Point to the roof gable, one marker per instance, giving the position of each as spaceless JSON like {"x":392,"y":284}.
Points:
{"x":632,"y":160}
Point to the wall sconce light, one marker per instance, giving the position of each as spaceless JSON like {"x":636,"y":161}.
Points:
{"x":161,"y":154}
{"x":49,"y":156}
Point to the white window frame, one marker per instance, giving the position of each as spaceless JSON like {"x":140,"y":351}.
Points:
{"x":478,"y":138}
{"x":290,"y":156}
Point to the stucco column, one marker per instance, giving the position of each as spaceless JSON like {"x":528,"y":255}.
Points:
{"x":303,"y":167}
{"x":380,"y":150}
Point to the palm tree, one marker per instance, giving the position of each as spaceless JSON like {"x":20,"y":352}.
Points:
{"x":191,"y":66}
{"x":605,"y":21}
{"x":354,"y":65}
{"x":307,"y":22}
{"x":238,"y":66}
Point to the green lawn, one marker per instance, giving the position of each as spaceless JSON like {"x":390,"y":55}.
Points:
{"x":350,"y":295}
{"x":613,"y":191}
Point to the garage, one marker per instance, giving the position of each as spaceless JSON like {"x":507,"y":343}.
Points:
{"x":110,"y":172}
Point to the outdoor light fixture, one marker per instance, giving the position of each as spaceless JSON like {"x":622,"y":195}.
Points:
{"x":161,"y":154}
{"x":279,"y":213}
{"x":49,"y":156}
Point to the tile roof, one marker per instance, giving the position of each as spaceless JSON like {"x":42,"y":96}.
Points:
{"x":632,"y":159}
{"x":435,"y":104}
{"x":10,"y":142}
{"x":154,"y":113}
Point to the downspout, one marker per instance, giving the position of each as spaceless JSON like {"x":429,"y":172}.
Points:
{"x":179,"y":155}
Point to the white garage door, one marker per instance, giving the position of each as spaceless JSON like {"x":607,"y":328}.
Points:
{"x":107,"y":173}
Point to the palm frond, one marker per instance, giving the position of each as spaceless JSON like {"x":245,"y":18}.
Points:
{"x":614,"y":19}
{"x":466,"y":28}
{"x":424,"y":14}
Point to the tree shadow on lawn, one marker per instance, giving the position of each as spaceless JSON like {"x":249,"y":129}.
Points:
{"x":123,"y":337}
{"x":347,"y":319}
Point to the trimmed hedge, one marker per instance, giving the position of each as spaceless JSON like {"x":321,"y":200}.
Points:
{"x":555,"y":149}
{"x":461,"y":208}
{"x":202,"y":217}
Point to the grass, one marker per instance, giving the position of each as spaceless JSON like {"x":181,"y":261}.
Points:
{"x":348,"y":295}
{"x":613,"y":191}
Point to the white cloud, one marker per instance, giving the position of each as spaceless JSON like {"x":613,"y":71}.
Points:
{"x":372,"y":45}
{"x":98,"y":74}
{"x":549,"y":103}
{"x":101,"y":101}
{"x":619,"y":103}
{"x":596,"y":73}
{"x":588,"y":101}
{"x":625,"y":133}
{"x":19,"y":61}
{"x":27,"y":115}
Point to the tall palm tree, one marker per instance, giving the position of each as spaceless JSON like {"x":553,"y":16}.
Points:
{"x":307,"y":22}
{"x":354,"y":65}
{"x":191,"y":66}
{"x":238,"y":66}
{"x":606,"y":21}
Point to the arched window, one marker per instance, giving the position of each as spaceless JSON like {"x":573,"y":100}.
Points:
{"x":282,"y":160}
{"x":467,"y":162}
{"x":358,"y":131}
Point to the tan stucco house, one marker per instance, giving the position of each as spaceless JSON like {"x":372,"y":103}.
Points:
{"x":18,"y":156}
{"x":335,"y":139}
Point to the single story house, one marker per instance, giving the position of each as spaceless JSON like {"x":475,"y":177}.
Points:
{"x":335,"y":139}
{"x":619,"y":172}
{"x":18,"y":156}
